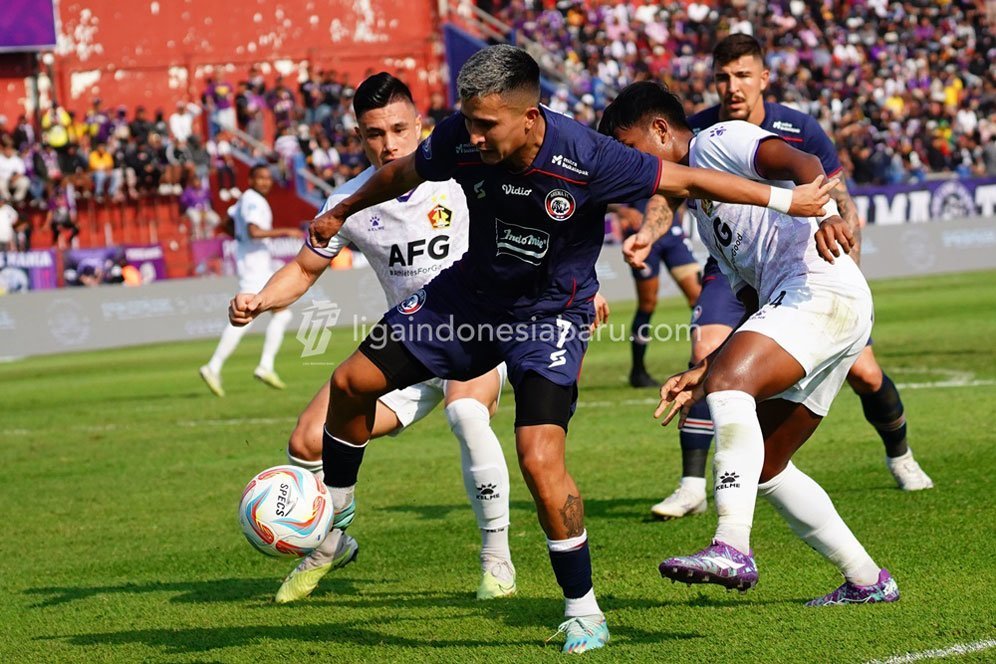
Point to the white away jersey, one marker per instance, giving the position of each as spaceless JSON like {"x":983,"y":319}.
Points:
{"x":408,"y":240}
{"x":756,"y":246}
{"x":251,"y":208}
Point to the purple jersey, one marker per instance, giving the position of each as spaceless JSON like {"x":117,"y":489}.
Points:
{"x":801,"y":131}
{"x":535,"y":235}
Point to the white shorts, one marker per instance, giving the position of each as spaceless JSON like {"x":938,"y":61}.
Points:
{"x":416,"y":401}
{"x":824,"y":329}
{"x":254,"y":271}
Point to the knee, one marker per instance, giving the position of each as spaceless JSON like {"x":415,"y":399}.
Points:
{"x":306,"y":440}
{"x":865,"y":377}
{"x":345,"y":384}
{"x":540,"y":468}
{"x":724,"y":381}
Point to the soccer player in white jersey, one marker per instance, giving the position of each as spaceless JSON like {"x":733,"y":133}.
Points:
{"x":252,"y":219}
{"x":808,"y":316}
{"x":407,"y":241}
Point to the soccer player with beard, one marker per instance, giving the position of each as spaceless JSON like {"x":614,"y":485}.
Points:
{"x":537,"y":186}
{"x":741,"y":79}
{"x":808,"y":314}
{"x":408,"y":241}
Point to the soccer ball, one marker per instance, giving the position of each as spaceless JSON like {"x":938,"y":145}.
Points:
{"x":285,"y":512}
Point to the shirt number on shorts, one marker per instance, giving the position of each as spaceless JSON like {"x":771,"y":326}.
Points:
{"x":558,"y":358}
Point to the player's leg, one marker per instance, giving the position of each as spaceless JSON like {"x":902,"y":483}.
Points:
{"x":279,"y":320}
{"x":469,"y":407}
{"x":304,"y":449}
{"x":695,"y":437}
{"x":646,"y":296}
{"x":717,"y":312}
{"x":229,"y":341}
{"x":883,"y":408}
{"x":808,"y":510}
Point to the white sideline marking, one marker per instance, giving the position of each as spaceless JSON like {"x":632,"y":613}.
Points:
{"x":956,"y":379}
{"x":956,"y":649}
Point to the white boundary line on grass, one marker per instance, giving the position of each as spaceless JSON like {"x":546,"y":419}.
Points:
{"x":956,"y":649}
{"x":956,"y":379}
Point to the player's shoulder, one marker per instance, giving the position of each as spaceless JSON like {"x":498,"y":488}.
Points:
{"x":575,"y":149}
{"x":787,"y":121}
{"x":347,"y":188}
{"x":703,"y":119}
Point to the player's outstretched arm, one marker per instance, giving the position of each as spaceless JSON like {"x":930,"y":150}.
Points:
{"x":777,"y":160}
{"x":657,"y":220}
{"x":685,"y":182}
{"x":390,"y":181}
{"x":283,"y":289}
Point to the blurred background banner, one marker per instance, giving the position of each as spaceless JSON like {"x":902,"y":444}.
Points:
{"x":27,"y":25}
{"x":933,"y":200}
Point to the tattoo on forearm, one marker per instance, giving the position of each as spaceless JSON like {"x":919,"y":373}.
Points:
{"x":658,"y":216}
{"x":849,"y":213}
{"x":572,"y":515}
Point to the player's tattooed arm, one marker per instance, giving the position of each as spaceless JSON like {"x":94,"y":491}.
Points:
{"x":390,"y":181}
{"x":657,"y":220}
{"x":849,"y":213}
{"x":572,"y":516}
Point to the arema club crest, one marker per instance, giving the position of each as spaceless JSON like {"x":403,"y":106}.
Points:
{"x":560,"y":204}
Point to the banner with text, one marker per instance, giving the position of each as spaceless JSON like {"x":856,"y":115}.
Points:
{"x":934,"y":200}
{"x":27,"y":270}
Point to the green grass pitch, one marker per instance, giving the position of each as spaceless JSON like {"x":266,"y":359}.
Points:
{"x":121,"y":476}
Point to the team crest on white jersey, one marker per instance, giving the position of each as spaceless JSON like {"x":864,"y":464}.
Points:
{"x":560,"y":205}
{"x":412,"y":303}
{"x":440,"y":217}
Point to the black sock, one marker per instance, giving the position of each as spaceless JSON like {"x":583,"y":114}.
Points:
{"x":340,"y":460}
{"x":884,"y":411}
{"x":573,"y":570}
{"x":640,"y":337}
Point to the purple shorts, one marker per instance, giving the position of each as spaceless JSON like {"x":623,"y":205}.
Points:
{"x":673,"y":249}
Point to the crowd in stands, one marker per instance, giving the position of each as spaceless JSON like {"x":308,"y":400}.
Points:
{"x":906,"y":89}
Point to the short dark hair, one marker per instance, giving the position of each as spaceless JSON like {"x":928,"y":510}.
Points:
{"x":497,"y":70}
{"x":378,"y":91}
{"x":735,"y":47}
{"x":637,"y":102}
{"x":255,"y":168}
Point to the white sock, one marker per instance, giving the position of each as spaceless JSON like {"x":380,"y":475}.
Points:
{"x":494,"y":544}
{"x":811,"y":515}
{"x":341,"y":496}
{"x":694,"y":484}
{"x":314,"y":467}
{"x":229,"y":341}
{"x":274,"y":337}
{"x":738,"y":460}
{"x":582,"y":606}
{"x":485,"y":473}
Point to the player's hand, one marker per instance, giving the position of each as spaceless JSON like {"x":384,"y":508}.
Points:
{"x":833,"y":235}
{"x":636,"y":248}
{"x":326,"y":226}
{"x":602,"y":311}
{"x":244,"y":308}
{"x":808,"y":199}
{"x":679,"y":392}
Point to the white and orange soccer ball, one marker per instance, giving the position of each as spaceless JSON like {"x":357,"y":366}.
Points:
{"x":285,"y":512}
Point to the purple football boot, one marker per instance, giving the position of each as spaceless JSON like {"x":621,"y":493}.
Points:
{"x":885,"y":590}
{"x":717,"y":563}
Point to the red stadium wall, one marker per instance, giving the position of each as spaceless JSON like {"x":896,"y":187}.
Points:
{"x":154,"y":52}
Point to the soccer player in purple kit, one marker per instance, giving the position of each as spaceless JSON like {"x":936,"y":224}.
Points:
{"x":741,"y":79}
{"x":537,"y":185}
